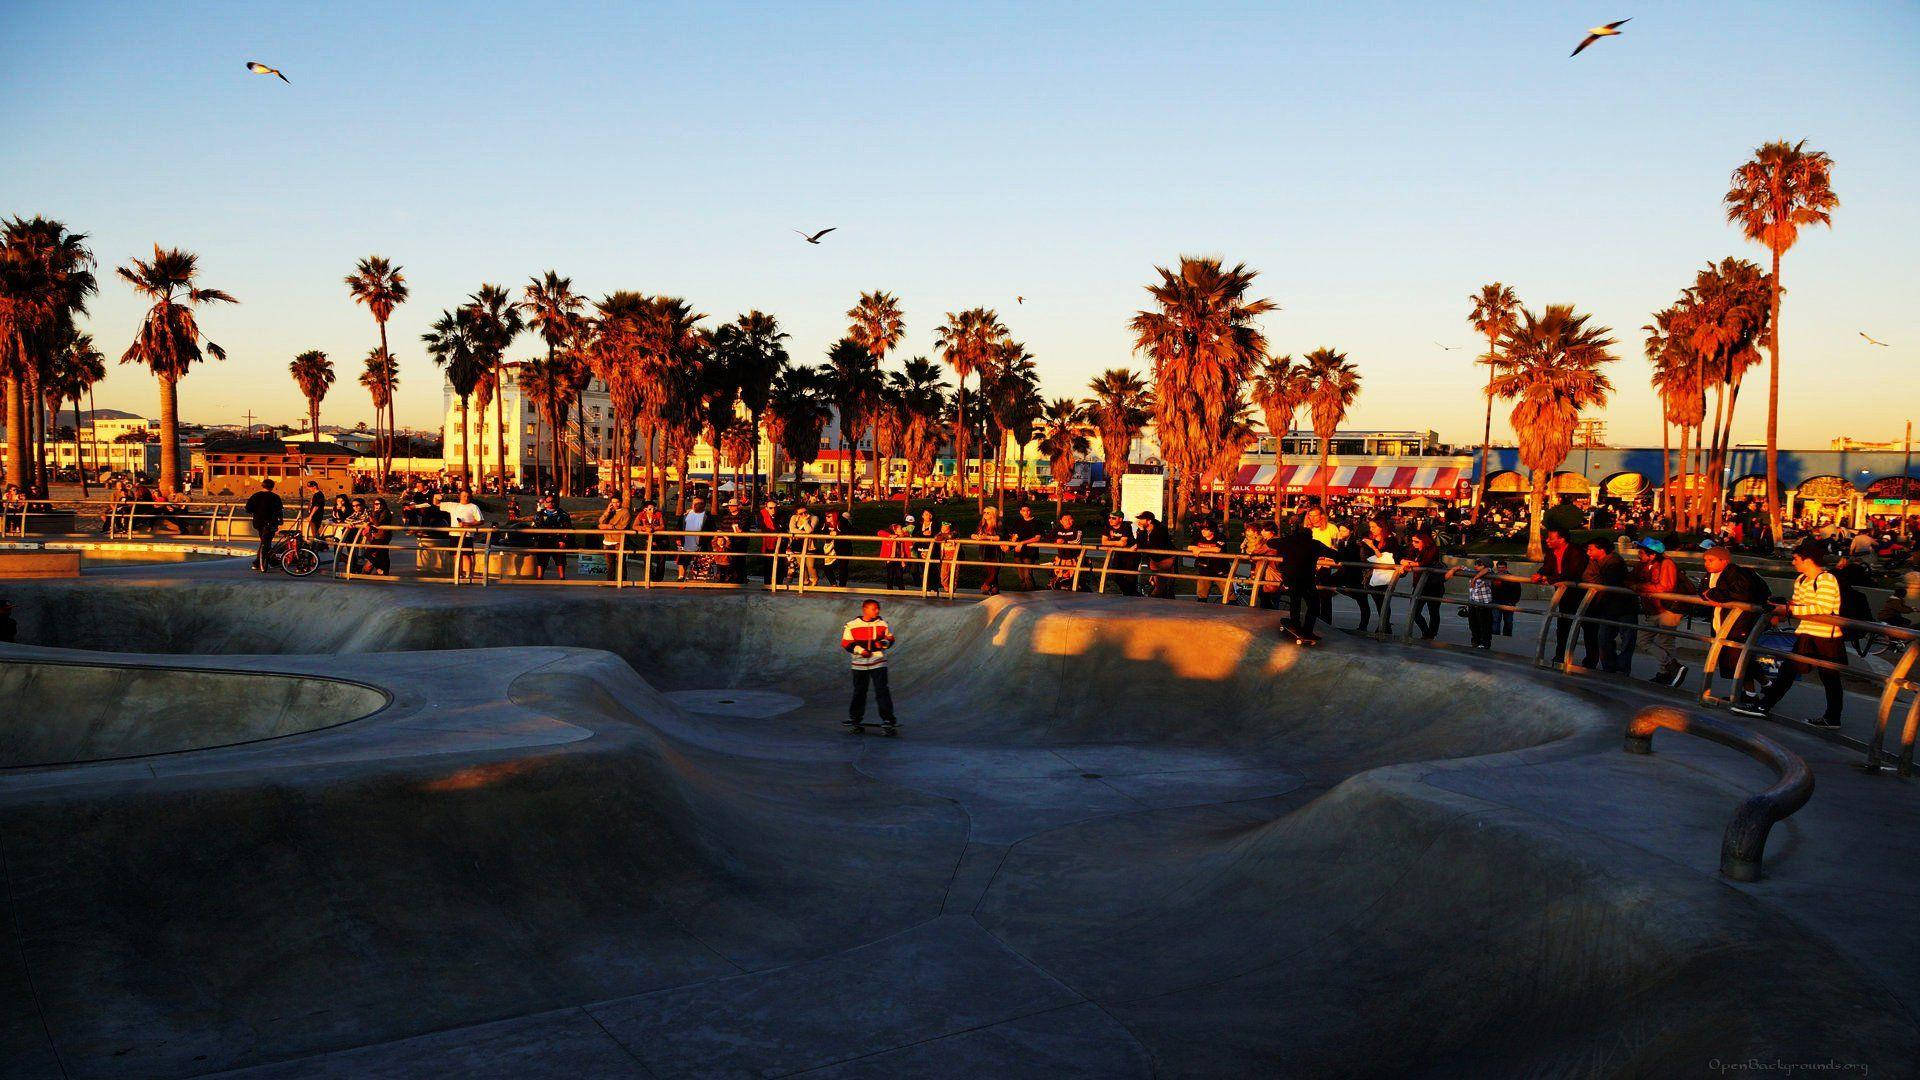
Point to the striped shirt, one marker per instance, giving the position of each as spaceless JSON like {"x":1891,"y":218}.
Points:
{"x":1818,"y":595}
{"x":872,"y":637}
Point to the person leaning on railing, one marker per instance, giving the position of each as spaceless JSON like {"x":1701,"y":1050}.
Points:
{"x":1816,"y":593}
{"x":1732,"y":584}
{"x":1204,"y":547}
{"x":988,"y":536}
{"x":1654,"y":574}
{"x":1118,"y":538}
{"x":613,"y":521}
{"x":1562,"y":567}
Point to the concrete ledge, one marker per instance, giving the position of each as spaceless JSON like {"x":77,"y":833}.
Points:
{"x":29,"y":565}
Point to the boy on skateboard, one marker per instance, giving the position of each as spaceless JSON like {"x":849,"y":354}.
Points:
{"x":867,"y":639}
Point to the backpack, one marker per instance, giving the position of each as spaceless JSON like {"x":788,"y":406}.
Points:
{"x":1854,"y":605}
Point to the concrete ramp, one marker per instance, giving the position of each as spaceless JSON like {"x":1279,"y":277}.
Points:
{"x":64,"y":713}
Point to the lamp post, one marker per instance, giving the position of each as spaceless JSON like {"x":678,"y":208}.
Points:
{"x":1906,"y":482}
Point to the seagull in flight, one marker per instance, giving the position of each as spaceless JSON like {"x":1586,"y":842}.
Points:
{"x":259,"y":68}
{"x":1019,"y":299}
{"x":1612,"y":29}
{"x":815,"y":238}
{"x":1449,"y":348}
{"x":1871,"y":340}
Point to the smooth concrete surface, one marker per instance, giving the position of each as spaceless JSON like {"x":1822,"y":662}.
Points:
{"x":621,"y":834}
{"x":33,"y":565}
{"x":62,"y":712}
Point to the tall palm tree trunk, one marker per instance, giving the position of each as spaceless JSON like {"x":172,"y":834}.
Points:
{"x":1536,"y":499}
{"x":1773,"y":405}
{"x":1666,"y":471}
{"x":169,"y":433}
{"x":16,"y":433}
{"x":79,"y":450}
{"x":93,"y":431}
{"x":1486,"y":433}
{"x":756,"y":461}
{"x":1710,"y":512}
{"x":466,"y":463}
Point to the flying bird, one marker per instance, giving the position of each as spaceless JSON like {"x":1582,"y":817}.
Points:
{"x":1612,"y":29}
{"x":1871,"y":340}
{"x":815,"y":238}
{"x":259,"y":68}
{"x":1019,"y":299}
{"x":1449,"y":348}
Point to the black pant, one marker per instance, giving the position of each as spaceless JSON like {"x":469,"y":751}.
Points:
{"x":1426,"y":616}
{"x":1365,"y":604}
{"x":883,"y":696}
{"x":266,"y":529}
{"x":1480,"y":626}
{"x":1833,"y":650}
{"x":896,"y":575}
{"x":1304,"y":604}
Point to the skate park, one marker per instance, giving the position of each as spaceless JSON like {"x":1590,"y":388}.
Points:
{"x":297,"y":828}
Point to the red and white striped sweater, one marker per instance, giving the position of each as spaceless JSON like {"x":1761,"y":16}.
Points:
{"x":872,"y":639}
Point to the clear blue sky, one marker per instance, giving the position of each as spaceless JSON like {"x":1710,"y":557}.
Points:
{"x":1376,"y":163}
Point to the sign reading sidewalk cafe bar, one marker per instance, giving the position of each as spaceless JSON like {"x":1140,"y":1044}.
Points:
{"x":1437,"y":481}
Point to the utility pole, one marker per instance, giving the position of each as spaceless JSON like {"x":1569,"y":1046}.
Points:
{"x":1906,"y":483}
{"x":248,"y":416}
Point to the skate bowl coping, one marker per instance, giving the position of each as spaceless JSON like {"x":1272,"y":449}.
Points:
{"x":66,"y":713}
{"x":1745,"y":842}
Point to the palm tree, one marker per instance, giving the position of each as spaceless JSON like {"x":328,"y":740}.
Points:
{"x":1549,"y":365}
{"x":1332,"y":384}
{"x":1785,"y":187}
{"x":1492,"y":316}
{"x":1728,"y":313}
{"x":76,"y":366}
{"x":921,"y":393}
{"x":553,"y":310}
{"x":454,"y":342}
{"x":877,"y":324}
{"x":1203,"y":343}
{"x":968,"y":342}
{"x":856,"y":389}
{"x":1064,"y":438}
{"x":380,"y":376}
{"x":798,"y":408}
{"x":1673,"y":380}
{"x":313,"y":373}
{"x":46,"y":275}
{"x":1010,"y":391}
{"x":544,"y":382}
{"x":498,"y":321}
{"x":169,"y":341}
{"x":380,"y":286}
{"x":751,"y":348}
{"x":1120,"y":407}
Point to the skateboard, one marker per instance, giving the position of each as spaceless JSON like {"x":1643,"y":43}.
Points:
{"x":889,"y":730}
{"x":1297,"y":637}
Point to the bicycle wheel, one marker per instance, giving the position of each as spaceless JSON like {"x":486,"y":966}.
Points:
{"x":300,"y":561}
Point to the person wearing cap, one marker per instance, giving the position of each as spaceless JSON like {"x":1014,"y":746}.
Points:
{"x":1118,"y":538}
{"x":1607,"y":647}
{"x":1205,"y":567}
{"x":1656,"y":574}
{"x":1150,"y":535}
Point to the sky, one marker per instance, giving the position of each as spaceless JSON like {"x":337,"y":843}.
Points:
{"x":1375,"y":163}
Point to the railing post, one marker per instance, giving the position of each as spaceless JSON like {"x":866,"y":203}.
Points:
{"x":779,"y":556}
{"x":1889,"y":696}
{"x":1547,"y":623}
{"x":486,"y":559}
{"x":1079,"y":560}
{"x":1226,"y":587}
{"x":620,"y":559}
{"x":646,"y":568}
{"x":1106,"y":563}
{"x":1573,"y":632}
{"x":1762,"y":622}
{"x":926,"y":567}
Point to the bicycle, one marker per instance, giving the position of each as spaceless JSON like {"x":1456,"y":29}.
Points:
{"x":298,"y":556}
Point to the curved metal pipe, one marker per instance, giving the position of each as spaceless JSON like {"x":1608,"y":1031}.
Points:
{"x":1745,"y":840}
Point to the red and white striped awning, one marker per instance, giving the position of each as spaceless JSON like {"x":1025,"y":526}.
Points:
{"x":1442,"y":481}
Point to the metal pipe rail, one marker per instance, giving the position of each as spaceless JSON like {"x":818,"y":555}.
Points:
{"x":1744,"y":844}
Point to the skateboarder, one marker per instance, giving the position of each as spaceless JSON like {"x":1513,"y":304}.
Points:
{"x":867,"y":639}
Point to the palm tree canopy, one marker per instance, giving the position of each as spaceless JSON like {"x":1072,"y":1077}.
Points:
{"x":453,"y":341}
{"x":1279,"y":388}
{"x":1784,"y":188}
{"x":379,"y":285}
{"x":46,"y":276}
{"x":75,"y":364}
{"x":552,"y":308}
{"x":1200,"y":336}
{"x":169,"y":340}
{"x":1332,"y":383}
{"x":1550,"y":366}
{"x":969,"y":339}
{"x":751,"y":348}
{"x":1063,"y":423}
{"x":380,"y":375}
{"x":313,"y":372}
{"x":1493,"y":310}
{"x":876,"y":323}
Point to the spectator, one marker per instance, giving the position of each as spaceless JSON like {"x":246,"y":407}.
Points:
{"x":1479,"y":595}
{"x":1207,"y":568}
{"x":691,"y":542}
{"x":1430,"y":574}
{"x":1816,"y":593}
{"x":1150,"y":537}
{"x":1024,"y":532}
{"x":989,"y":536}
{"x":1563,"y":567}
{"x":549,"y":515}
{"x":1506,"y":595}
{"x":1300,"y":559}
{"x":264,"y":509}
{"x":1118,"y":540}
{"x":613,"y":524}
{"x":1730,"y":583}
{"x":1653,"y":574}
{"x":1603,"y":642}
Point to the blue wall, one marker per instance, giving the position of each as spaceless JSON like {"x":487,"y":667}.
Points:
{"x":1858,"y":467}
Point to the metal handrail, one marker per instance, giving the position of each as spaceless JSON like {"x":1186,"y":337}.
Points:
{"x":1744,"y":843}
